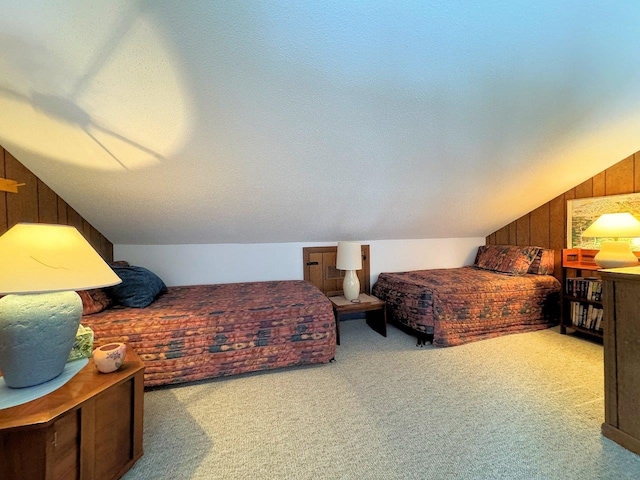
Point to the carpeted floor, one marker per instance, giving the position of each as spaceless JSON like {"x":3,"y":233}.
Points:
{"x":525,"y":406}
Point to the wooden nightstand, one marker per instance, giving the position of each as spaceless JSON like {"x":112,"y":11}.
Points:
{"x":90,"y":428}
{"x":373,"y":308}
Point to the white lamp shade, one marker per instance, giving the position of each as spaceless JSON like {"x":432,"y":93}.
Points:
{"x":349,"y":256}
{"x":37,"y":257}
{"x":614,"y":225}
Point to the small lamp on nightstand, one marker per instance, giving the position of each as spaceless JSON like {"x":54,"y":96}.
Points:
{"x":349,"y":258}
{"x":41,"y":267}
{"x":615,"y":253}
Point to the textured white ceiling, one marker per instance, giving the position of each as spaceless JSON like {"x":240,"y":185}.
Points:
{"x":285,"y":121}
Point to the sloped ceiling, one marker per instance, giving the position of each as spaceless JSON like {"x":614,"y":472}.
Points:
{"x":279,"y":121}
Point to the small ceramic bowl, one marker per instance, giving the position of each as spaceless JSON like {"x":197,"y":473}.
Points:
{"x":108,"y":358}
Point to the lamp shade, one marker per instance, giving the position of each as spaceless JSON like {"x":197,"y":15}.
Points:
{"x":41,"y":266}
{"x":614,"y":225}
{"x":37,"y":258}
{"x":349,"y":256}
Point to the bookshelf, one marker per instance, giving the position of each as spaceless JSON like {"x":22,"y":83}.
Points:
{"x":582,"y":308}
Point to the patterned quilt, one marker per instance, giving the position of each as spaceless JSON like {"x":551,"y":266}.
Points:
{"x":205,"y":331}
{"x":460,"y":305}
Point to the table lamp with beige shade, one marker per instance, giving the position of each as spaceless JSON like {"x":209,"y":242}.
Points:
{"x":349,"y":259}
{"x":41,"y":268}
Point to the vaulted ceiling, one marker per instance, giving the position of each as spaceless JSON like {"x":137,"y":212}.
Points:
{"x":279,"y":121}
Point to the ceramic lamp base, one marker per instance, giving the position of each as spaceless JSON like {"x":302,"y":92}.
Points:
{"x":351,"y":285}
{"x":615,"y":254}
{"x":37,"y":332}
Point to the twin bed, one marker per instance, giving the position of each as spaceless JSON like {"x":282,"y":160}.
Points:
{"x":185,"y":334}
{"x":207,"y":331}
{"x":508,"y":289}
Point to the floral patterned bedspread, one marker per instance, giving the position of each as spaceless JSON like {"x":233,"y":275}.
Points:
{"x":460,"y":305}
{"x":204,"y":331}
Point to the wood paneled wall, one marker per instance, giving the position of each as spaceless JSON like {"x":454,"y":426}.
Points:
{"x":546,"y":226}
{"x":35,"y":202}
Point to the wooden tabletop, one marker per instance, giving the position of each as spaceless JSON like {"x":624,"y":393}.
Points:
{"x":84,"y":385}
{"x":365,"y":302}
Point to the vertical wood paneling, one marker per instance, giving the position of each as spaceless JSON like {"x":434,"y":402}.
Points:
{"x":599,"y":188}
{"x":539,"y":226}
{"x":86,"y":229}
{"x":47,"y":204}
{"x":314,"y":272}
{"x":108,"y":251}
{"x":636,"y":172}
{"x":585,"y":189}
{"x":502,"y":236}
{"x":95,"y":238}
{"x":3,"y":197}
{"x":62,"y":212}
{"x":619,"y":178}
{"x":74,"y":219}
{"x":106,"y":248}
{"x":36,"y":202}
{"x":21,"y":206}
{"x":330,"y":283}
{"x":557,"y":230}
{"x":522,"y":226}
{"x":557,"y":223}
{"x":513,"y":231}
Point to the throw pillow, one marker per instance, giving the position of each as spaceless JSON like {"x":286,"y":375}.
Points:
{"x":139,"y":287}
{"x":506,"y":258}
{"x":94,"y":300}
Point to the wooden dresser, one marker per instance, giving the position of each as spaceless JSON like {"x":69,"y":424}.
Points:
{"x":621,"y":295}
{"x":90,"y":428}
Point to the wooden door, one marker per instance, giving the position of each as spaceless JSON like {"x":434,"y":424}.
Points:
{"x":319,"y":265}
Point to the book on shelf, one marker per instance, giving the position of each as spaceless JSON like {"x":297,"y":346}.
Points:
{"x":589,"y":319}
{"x":586,"y":315}
{"x":589,"y":288}
{"x":598,"y":325}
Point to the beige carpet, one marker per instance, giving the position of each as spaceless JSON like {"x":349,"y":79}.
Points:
{"x":525,"y":406}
